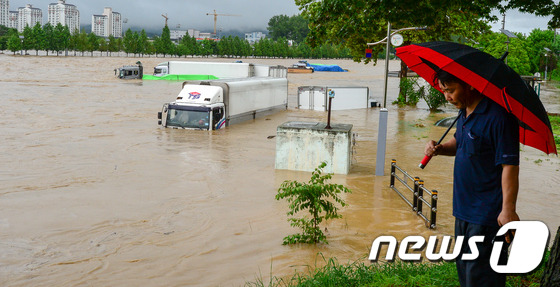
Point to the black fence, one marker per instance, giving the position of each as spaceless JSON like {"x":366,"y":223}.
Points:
{"x":419,"y":192}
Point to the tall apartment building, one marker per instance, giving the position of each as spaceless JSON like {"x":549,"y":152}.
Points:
{"x":4,"y":12}
{"x":29,"y":16}
{"x":65,"y":14}
{"x":13,"y":19}
{"x":254,"y":37}
{"x":109,"y":23}
{"x":177,"y":35}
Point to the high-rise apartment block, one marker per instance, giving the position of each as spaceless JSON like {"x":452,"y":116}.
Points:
{"x":109,"y":23}
{"x":29,"y":16}
{"x":4,"y":12}
{"x":65,"y":14}
{"x":13,"y":19}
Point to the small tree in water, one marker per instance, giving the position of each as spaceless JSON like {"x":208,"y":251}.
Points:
{"x":313,"y":198}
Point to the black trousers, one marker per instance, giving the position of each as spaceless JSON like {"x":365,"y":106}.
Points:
{"x":478,"y":272}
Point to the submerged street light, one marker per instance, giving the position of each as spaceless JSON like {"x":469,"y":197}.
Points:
{"x":397,"y":40}
{"x":546,"y":67}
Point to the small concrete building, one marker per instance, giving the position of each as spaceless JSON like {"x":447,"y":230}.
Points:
{"x":304,"y":145}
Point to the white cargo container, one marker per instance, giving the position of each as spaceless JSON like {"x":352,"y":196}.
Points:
{"x":212,"y":105}
{"x":217,"y":70}
{"x":346,"y":98}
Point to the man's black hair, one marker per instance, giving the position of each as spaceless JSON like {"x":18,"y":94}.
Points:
{"x":446,"y":78}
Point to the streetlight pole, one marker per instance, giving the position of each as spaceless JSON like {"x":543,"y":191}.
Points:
{"x":387,"y":41}
{"x":546,"y":66}
{"x":388,"y":46}
{"x":21,"y":40}
{"x":384,"y":113}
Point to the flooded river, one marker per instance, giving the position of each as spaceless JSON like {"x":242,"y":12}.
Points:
{"x":94,"y":192}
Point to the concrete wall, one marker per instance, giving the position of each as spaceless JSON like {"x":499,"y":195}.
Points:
{"x":304,"y":145}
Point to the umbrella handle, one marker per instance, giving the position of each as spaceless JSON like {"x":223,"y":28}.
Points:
{"x":427,"y":158}
{"x":425,"y":161}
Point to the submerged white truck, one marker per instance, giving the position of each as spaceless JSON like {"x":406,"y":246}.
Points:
{"x":212,"y":105}
{"x":183,"y":70}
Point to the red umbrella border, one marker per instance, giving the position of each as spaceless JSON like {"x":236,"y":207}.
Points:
{"x":527,"y":136}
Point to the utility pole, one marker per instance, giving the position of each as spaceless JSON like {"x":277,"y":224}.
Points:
{"x":166,"y":18}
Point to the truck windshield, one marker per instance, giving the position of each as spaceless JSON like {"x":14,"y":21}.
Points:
{"x":158,"y":71}
{"x":187,"y":119}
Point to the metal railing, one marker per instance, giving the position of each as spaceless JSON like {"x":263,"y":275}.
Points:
{"x":418,"y":192}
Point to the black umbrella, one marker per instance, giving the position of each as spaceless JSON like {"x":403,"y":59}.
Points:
{"x":490,"y":76}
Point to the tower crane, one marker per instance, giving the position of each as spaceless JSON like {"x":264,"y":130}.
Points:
{"x":216,"y":18}
{"x":166,"y":18}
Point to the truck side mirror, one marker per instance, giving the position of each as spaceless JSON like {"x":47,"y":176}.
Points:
{"x":159,"y":117}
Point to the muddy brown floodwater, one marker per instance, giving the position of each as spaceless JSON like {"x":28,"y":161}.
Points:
{"x":94,"y":192}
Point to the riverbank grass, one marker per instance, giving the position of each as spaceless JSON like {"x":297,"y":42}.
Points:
{"x":397,"y":273}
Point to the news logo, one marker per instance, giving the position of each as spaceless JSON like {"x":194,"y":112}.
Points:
{"x":526,"y":250}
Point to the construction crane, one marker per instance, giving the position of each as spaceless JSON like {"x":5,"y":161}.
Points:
{"x":216,"y":18}
{"x":166,"y":18}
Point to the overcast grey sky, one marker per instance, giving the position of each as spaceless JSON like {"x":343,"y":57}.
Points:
{"x":254,"y":14}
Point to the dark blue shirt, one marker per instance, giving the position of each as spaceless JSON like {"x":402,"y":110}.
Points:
{"x":488,"y":138}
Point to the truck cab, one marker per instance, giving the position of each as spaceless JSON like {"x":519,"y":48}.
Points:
{"x":161,"y":70}
{"x":197,"y":107}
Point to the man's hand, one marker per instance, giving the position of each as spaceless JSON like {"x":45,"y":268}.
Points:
{"x":431,"y":148}
{"x":447,"y":148}
{"x":507,"y":216}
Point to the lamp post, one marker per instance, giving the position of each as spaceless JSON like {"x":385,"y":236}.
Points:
{"x":21,"y":39}
{"x":509,"y":35}
{"x":546,"y":66}
{"x":383,"y":113}
{"x":387,"y":41}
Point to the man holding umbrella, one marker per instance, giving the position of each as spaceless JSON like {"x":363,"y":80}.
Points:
{"x":497,"y":110}
{"x":486,"y":150}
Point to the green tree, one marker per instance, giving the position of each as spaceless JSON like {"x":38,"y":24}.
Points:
{"x":166,"y":46}
{"x":5,"y":31}
{"x":518,"y":57}
{"x":62,"y":36}
{"x":93,"y":43}
{"x":208,"y":47}
{"x":82,"y":43}
{"x":292,"y":28}
{"x":14,"y":43}
{"x":303,"y":50}
{"x":187,"y":46}
{"x":537,"y":43}
{"x":5,"y":34}
{"x":149,"y":48}
{"x":112,"y":45}
{"x":129,"y":45}
{"x":28,"y":38}
{"x":137,"y":44}
{"x":246,"y":49}
{"x":312,"y":197}
{"x":39,"y":39}
{"x":103,"y":46}
{"x":359,"y":22}
{"x":73,"y":41}
{"x":142,"y":42}
{"x":49,"y":43}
